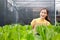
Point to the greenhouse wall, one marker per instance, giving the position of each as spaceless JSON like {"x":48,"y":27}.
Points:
{"x":24,"y":11}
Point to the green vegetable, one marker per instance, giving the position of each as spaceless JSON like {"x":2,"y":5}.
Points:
{"x":20,"y":32}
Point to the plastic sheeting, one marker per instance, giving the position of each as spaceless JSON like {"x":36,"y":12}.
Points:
{"x":23,"y":11}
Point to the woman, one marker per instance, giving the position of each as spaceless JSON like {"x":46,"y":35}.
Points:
{"x":42,"y":20}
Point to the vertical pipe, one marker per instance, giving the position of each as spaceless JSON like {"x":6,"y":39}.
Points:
{"x":55,"y":11}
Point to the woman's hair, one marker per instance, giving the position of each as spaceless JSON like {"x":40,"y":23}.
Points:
{"x":47,"y":17}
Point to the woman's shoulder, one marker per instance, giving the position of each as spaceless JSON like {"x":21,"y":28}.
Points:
{"x":35,"y":19}
{"x":48,"y":22}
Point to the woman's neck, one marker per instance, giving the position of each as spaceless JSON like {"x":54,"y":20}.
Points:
{"x":42,"y":19}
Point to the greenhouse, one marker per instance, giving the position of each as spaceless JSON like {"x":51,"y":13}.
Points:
{"x":22,"y":20}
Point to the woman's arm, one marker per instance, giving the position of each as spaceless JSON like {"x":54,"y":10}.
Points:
{"x":33,"y":23}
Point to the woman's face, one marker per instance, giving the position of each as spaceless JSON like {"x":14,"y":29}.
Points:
{"x":43,"y":13}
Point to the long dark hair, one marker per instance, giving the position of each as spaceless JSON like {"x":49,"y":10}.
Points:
{"x":47,"y":17}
